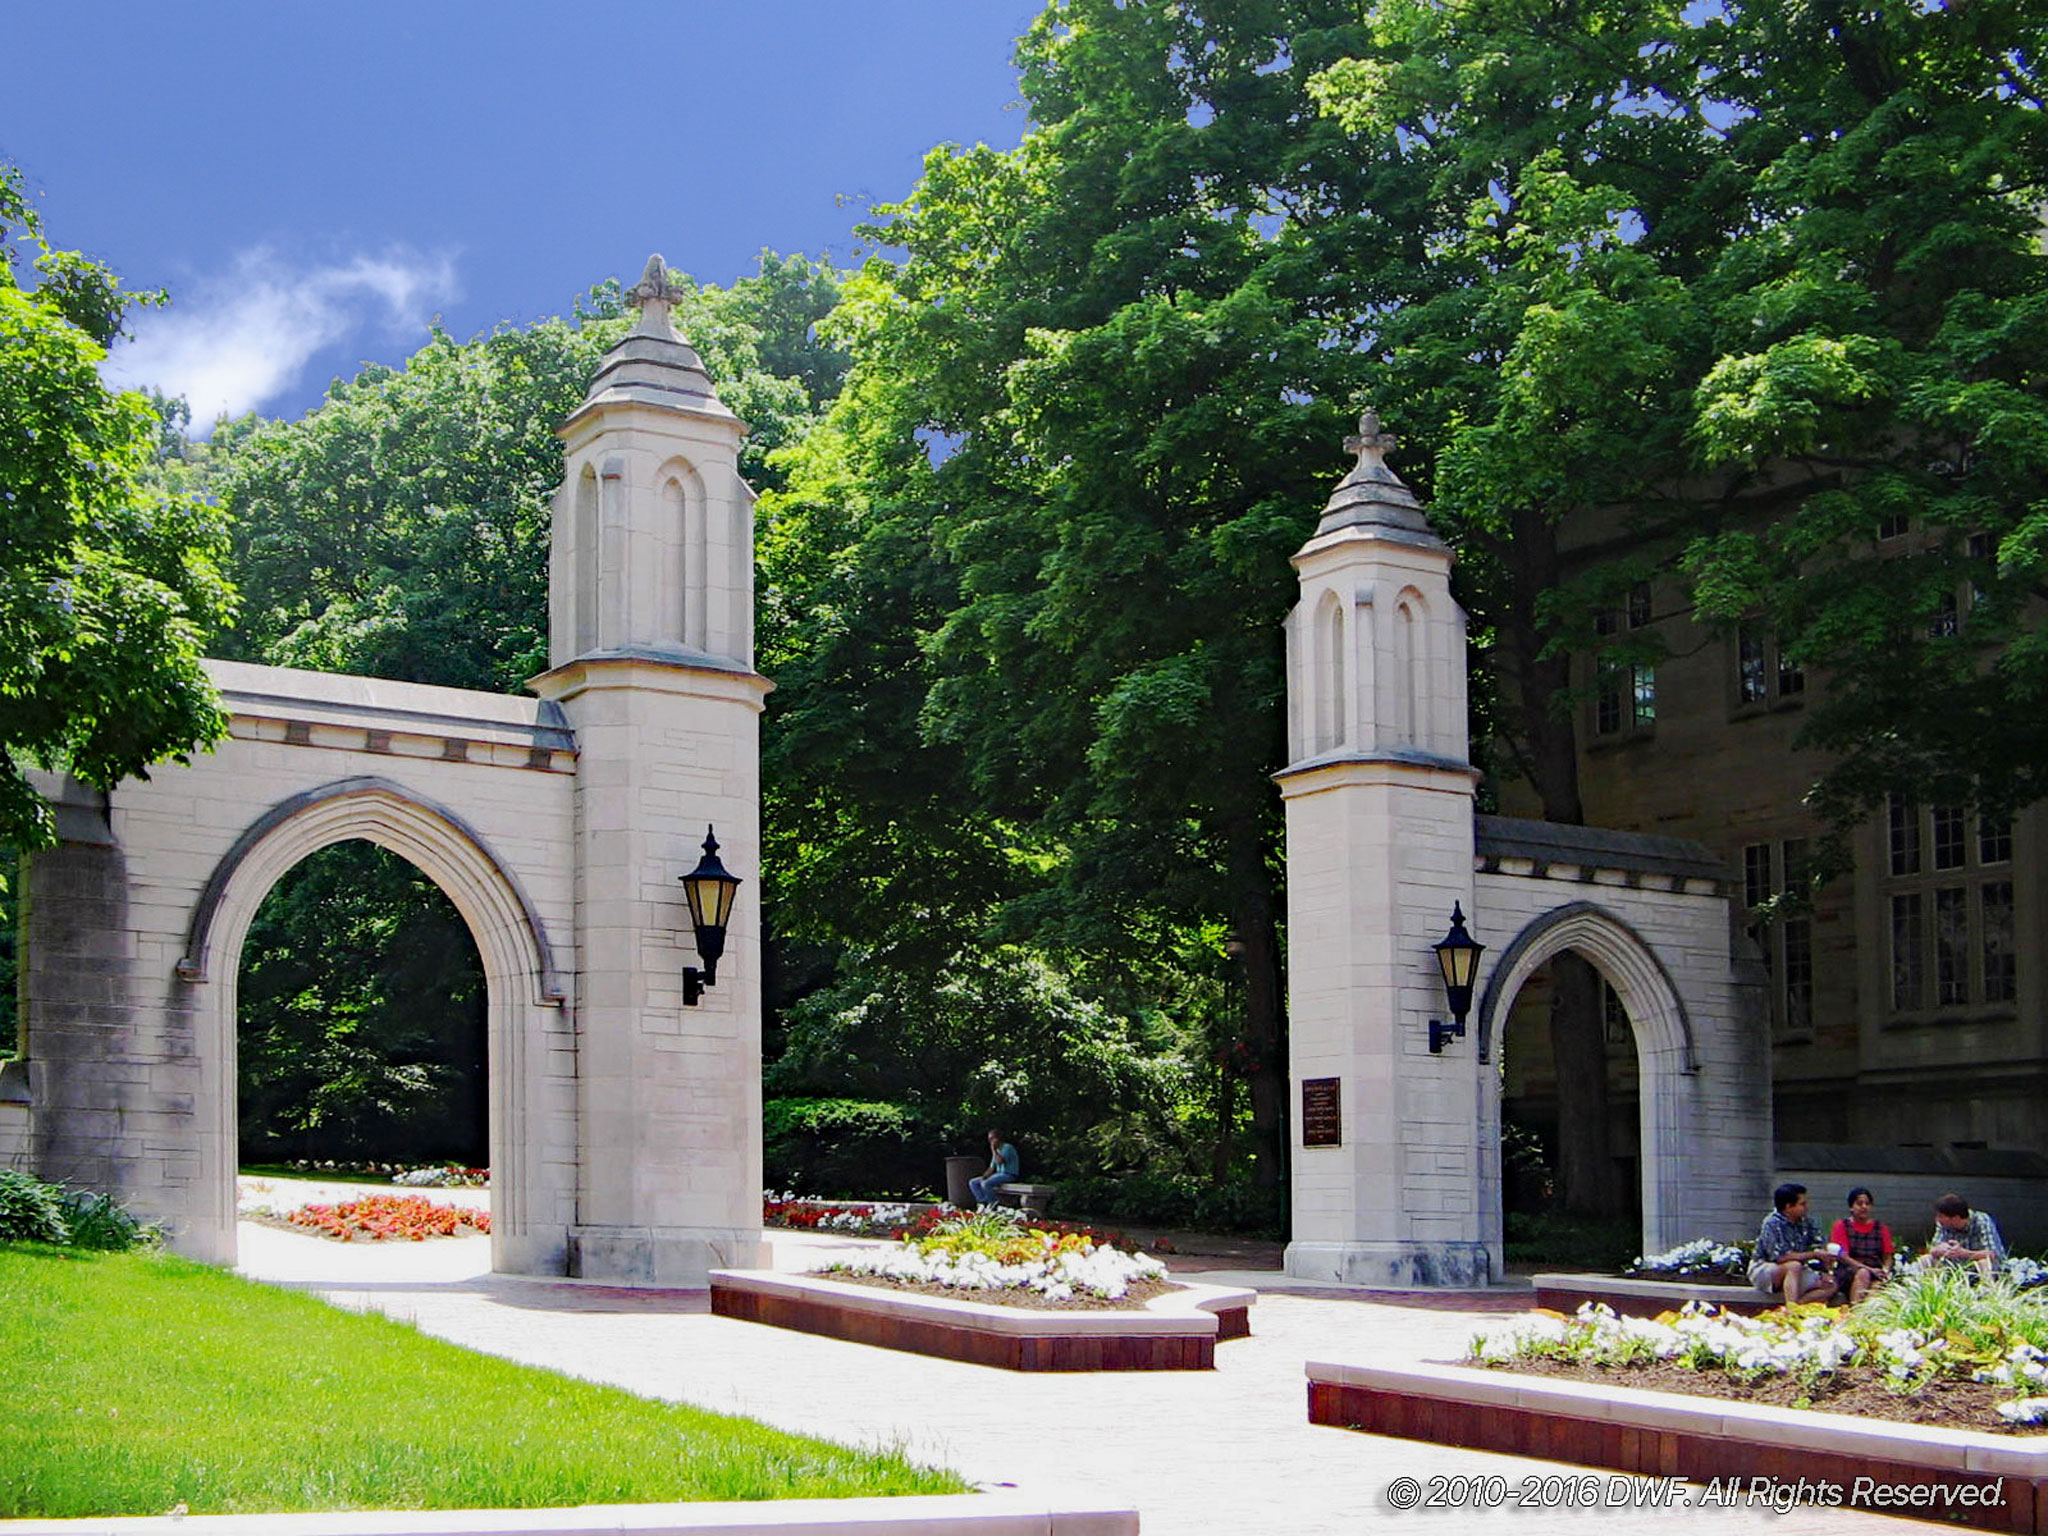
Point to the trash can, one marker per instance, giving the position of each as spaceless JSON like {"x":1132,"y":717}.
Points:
{"x":958,"y":1171}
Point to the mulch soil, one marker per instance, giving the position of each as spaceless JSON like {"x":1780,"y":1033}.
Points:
{"x":1952,"y":1404}
{"x":1134,"y":1299}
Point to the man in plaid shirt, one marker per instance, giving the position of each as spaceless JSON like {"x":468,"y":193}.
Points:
{"x":1964,"y":1236}
{"x":1785,"y":1245}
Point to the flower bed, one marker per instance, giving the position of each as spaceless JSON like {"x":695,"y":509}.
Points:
{"x":388,"y":1218}
{"x":1936,"y":1347}
{"x":1702,"y":1261}
{"x":990,"y":1255}
{"x":990,"y":1290}
{"x":443,"y":1176}
{"x":1177,"y":1331}
{"x":891,"y":1219}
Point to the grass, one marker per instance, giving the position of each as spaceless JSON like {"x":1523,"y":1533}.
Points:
{"x":138,"y":1382}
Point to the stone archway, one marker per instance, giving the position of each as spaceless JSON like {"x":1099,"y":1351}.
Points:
{"x":1658,"y":1021}
{"x":1396,"y":1171}
{"x":510,"y":936}
{"x":625,"y":1127}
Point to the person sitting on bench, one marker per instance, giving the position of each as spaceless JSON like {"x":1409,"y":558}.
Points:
{"x":1791,"y":1260}
{"x":1964,"y":1236}
{"x":1003,"y":1168}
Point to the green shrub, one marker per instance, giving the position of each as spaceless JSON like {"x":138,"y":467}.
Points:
{"x":30,"y":1210}
{"x":34,"y":1212}
{"x":1187,"y":1201}
{"x":1949,"y":1302}
{"x":101,"y":1222}
{"x":1577,"y":1242}
{"x":859,"y":1148}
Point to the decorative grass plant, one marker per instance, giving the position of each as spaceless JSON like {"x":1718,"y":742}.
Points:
{"x":136,"y":1383}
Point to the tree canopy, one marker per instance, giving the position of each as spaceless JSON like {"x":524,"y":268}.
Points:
{"x":109,"y":588}
{"x":1879,"y":389}
{"x":1744,"y":281}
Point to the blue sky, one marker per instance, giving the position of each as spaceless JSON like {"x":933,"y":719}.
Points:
{"x":314,"y":184}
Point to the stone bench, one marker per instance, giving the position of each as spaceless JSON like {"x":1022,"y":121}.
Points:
{"x":1031,"y":1199}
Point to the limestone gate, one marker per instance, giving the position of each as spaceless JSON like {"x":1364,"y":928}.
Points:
{"x":625,"y":1125}
{"x":1396,"y":1161}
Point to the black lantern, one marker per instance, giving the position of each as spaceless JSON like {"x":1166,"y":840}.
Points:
{"x":709,"y":889}
{"x":1457,"y":956}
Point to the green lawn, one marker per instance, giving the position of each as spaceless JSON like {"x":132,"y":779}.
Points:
{"x":137,"y":1382}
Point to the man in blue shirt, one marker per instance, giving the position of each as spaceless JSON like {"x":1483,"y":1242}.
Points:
{"x":1003,"y":1167}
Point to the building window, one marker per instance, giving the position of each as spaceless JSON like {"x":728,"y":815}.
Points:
{"x":1983,"y":551}
{"x":1787,"y":943}
{"x":1908,"y":961}
{"x":1952,"y":927}
{"x":1763,"y":673}
{"x":1905,"y":837}
{"x":1624,"y":692}
{"x":2001,"y":975}
{"x":1951,"y":946}
{"x":1625,"y":698}
{"x":1797,"y":940}
{"x":1756,"y":875}
{"x":1639,"y":605}
{"x":1948,"y":618}
{"x":1994,"y":840}
{"x":1752,"y":668}
{"x":1948,"y":836}
{"x":1894,"y":526}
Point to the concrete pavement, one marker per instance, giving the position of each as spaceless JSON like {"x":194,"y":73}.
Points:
{"x":1198,"y":1453}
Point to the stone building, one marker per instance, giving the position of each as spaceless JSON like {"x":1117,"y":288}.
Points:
{"x":1908,"y":1008}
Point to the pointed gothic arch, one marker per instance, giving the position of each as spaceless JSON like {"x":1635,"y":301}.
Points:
{"x":1666,"y":1053}
{"x":520,"y":974}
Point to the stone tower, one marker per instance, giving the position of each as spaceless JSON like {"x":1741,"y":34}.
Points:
{"x":1387,"y":1159}
{"x":651,"y":657}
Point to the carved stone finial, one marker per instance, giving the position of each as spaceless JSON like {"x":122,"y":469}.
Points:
{"x":653,"y":295}
{"x":1372,"y":495}
{"x":654,"y":284}
{"x":1373,"y":442}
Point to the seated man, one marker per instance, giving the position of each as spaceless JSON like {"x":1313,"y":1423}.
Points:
{"x":1003,"y":1167}
{"x":1786,"y":1245}
{"x":1964,"y":1236}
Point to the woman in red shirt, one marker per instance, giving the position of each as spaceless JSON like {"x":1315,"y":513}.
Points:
{"x":1866,"y":1245}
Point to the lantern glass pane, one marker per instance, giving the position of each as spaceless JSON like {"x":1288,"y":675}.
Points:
{"x":710,"y":900}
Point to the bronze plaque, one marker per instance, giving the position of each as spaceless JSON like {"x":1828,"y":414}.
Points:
{"x":1322,"y":1112}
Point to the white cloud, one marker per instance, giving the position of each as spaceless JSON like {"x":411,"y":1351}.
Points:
{"x":228,"y":346}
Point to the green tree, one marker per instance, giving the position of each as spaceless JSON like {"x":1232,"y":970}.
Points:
{"x":1881,"y":330}
{"x":1091,"y":410}
{"x":107,"y":590}
{"x":360,"y":1017}
{"x":1132,"y":345}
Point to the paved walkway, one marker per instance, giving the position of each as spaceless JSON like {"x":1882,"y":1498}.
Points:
{"x":1222,"y":1453}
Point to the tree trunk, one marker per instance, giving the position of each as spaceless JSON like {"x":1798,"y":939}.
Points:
{"x":1586,"y":1174}
{"x":1226,"y":1111}
{"x":1254,"y":924}
{"x":1589,"y":1183}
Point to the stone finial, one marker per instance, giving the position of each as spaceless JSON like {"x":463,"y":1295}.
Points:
{"x":1372,"y":443}
{"x":1372,"y":495}
{"x":653,"y":295}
